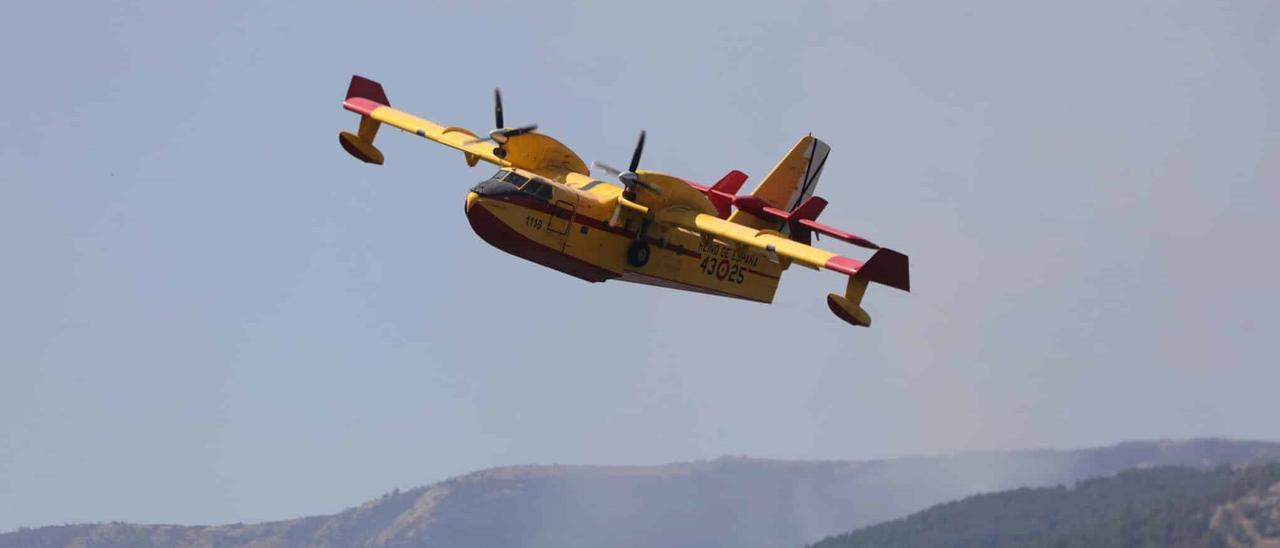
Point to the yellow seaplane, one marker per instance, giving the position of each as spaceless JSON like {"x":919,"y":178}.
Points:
{"x":544,"y":205}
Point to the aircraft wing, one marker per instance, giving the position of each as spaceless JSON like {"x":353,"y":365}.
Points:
{"x":366,"y":98}
{"x":890,"y":272}
{"x":886,"y":266}
{"x":531,"y":151}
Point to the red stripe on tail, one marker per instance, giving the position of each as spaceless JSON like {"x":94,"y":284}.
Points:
{"x":844,"y":265}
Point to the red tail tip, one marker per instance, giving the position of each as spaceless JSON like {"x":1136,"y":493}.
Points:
{"x":364,"y":88}
{"x":887,"y":267}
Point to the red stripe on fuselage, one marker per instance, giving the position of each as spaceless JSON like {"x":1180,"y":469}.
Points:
{"x":544,"y":207}
{"x":491,"y":229}
{"x":541,"y":206}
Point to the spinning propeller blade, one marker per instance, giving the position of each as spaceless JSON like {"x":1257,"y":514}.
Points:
{"x":500,"y":132}
{"x":607,"y":168}
{"x":635,"y":156}
{"x":629,"y":178}
{"x":497,"y":108}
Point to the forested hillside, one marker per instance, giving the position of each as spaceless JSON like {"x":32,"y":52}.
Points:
{"x":1165,"y":506}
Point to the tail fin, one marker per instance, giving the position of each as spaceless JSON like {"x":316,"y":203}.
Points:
{"x":792,"y":181}
{"x":363,"y":96}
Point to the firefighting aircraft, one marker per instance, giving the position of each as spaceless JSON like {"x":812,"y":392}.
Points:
{"x":543,"y":205}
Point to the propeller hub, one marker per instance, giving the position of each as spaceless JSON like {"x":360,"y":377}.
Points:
{"x":498,"y":136}
{"x":629,"y":178}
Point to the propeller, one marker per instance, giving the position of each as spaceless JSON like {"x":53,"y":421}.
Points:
{"x":501,"y":134}
{"x":497,"y":108}
{"x":629,"y":178}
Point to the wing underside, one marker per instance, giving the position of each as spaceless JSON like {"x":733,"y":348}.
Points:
{"x":526,"y":149}
{"x":886,"y":266}
{"x":530,"y":151}
{"x":772,"y":242}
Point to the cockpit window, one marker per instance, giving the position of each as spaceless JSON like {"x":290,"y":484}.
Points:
{"x":539,"y":190}
{"x":516,"y":179}
{"x":545,"y":193}
{"x":525,"y":185}
{"x":509,"y":176}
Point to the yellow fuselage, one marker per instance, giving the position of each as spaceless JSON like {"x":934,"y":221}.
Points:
{"x":566,"y":225}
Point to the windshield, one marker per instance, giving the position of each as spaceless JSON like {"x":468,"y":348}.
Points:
{"x":504,"y":182}
{"x":538,"y":189}
{"x":515,"y":179}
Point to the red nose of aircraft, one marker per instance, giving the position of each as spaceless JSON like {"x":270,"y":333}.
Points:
{"x":485,"y":223}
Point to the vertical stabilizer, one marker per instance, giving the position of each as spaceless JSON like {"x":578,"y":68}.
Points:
{"x":790,"y":183}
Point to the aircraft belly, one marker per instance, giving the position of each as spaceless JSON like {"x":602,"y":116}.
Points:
{"x":594,"y":241}
{"x":680,"y":260}
{"x":594,"y":251}
{"x":523,"y":232}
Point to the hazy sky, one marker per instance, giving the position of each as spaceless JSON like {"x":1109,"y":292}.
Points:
{"x":211,"y":313}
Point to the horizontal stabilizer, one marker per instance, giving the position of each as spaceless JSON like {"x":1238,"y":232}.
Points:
{"x":800,"y":222}
{"x":836,"y":233}
{"x":722,"y":194}
{"x":730,"y":183}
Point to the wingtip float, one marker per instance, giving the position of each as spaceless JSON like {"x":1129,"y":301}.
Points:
{"x":543,"y":205}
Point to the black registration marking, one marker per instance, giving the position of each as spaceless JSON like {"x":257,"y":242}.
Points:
{"x":533,"y":222}
{"x":726,"y":263}
{"x":723,"y":269}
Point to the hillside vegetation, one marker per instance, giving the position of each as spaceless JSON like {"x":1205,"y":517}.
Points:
{"x":1166,"y":506}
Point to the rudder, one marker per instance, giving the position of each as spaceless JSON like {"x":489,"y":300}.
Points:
{"x":792,"y":180}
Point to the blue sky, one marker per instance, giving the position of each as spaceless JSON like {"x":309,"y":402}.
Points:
{"x":210,"y":313}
